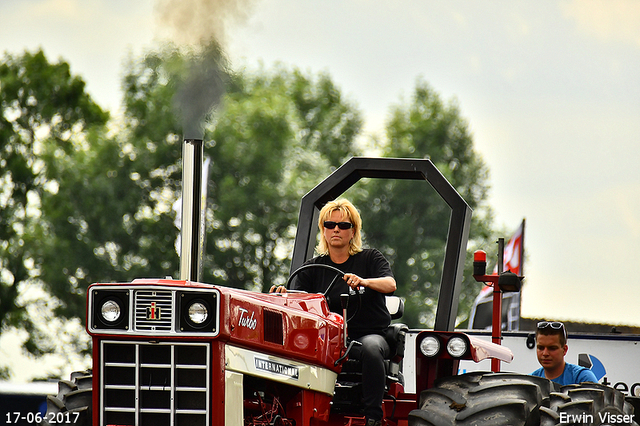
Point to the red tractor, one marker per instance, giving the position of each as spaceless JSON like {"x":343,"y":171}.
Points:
{"x":180,"y":352}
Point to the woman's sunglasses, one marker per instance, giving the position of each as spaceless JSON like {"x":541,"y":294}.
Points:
{"x":329,"y":224}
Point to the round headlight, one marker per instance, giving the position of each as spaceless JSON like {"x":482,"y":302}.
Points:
{"x":430,"y":346}
{"x":456,"y":346}
{"x":110,"y":311}
{"x":198,"y":313}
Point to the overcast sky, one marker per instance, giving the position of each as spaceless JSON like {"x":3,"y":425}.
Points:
{"x":551,"y":91}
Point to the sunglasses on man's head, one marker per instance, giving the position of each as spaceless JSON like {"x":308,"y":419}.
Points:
{"x":556,"y":325}
{"x":329,"y":224}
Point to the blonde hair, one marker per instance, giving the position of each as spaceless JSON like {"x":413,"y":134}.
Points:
{"x":348,"y":211}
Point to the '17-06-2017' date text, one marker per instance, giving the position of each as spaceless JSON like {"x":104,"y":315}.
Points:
{"x":66,"y":418}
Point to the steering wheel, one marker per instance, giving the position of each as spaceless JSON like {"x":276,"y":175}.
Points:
{"x":339,"y":274}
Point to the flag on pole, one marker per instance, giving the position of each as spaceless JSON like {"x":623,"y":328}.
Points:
{"x":514,"y":252}
{"x":513,"y":258}
{"x":481,"y":310}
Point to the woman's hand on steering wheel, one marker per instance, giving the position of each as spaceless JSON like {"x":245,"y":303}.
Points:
{"x":354,"y":281}
{"x":278,"y":289}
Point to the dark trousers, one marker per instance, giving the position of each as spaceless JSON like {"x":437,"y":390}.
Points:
{"x":371,"y":354}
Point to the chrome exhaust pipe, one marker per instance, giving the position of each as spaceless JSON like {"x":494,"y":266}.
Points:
{"x":192,"y":230}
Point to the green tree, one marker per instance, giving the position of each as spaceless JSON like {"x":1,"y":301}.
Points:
{"x":109,"y":216}
{"x":274,"y":135}
{"x":278,"y":134}
{"x":41,"y":104}
{"x":108,"y":219}
{"x":408,"y":221}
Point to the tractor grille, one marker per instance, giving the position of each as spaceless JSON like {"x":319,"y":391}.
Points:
{"x":149,"y":384}
{"x":153,"y":310}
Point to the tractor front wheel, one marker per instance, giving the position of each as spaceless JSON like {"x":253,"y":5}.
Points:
{"x":510,"y":399}
{"x":72,"y":404}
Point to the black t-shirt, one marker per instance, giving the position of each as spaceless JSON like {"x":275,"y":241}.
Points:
{"x":373,"y":316}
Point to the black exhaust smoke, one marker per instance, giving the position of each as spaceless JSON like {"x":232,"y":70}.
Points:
{"x":196,"y":98}
{"x":199,"y":24}
{"x":202,"y":90}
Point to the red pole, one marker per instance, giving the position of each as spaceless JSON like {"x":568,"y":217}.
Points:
{"x":496,"y":322}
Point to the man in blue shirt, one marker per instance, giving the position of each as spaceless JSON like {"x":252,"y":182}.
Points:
{"x":551,"y":347}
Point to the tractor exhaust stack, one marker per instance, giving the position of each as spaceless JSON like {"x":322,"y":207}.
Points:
{"x":192,"y":230}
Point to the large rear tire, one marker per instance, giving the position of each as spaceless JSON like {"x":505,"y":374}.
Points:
{"x":72,"y":404}
{"x":509,"y":399}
